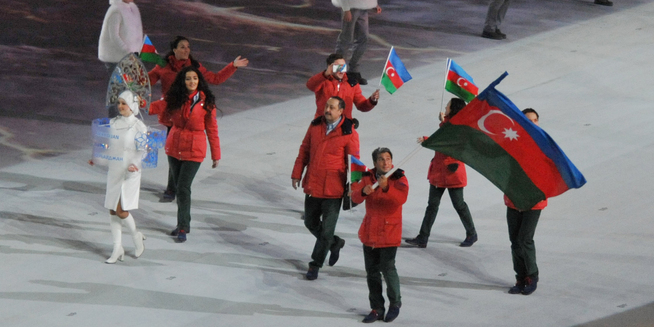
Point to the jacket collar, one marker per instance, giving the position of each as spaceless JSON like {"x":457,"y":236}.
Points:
{"x":346,"y":124}
{"x":396,"y":175}
{"x":348,"y":78}
{"x":177,"y":65}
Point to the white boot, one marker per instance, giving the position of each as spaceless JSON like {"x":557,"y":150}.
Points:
{"x":116,"y":231}
{"x":138,"y":237}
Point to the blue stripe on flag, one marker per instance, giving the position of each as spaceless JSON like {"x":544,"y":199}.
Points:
{"x":399,"y":66}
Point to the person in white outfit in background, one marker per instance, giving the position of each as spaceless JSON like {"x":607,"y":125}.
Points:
{"x":354,"y":32}
{"x":122,"y":32}
{"x":124,"y":175}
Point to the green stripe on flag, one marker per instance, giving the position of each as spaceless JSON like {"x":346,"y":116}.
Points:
{"x":388,"y":85}
{"x":482,"y":154}
{"x":458,"y":91}
{"x":153,"y":58}
{"x":356,"y":176}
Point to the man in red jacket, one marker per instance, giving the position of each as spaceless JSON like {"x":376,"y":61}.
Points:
{"x":335,"y":81}
{"x":330,"y":138}
{"x":381,"y":231}
{"x":522,"y":227}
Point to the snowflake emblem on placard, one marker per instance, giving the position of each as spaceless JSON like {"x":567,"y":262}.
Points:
{"x":141,"y":141}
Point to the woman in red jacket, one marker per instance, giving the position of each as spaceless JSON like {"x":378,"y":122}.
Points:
{"x":190,"y":107}
{"x":446,"y":173}
{"x":178,"y":58}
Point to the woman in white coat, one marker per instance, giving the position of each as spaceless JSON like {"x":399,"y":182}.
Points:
{"x":124,"y":175}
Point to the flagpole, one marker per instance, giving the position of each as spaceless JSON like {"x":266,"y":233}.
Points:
{"x":143,"y":45}
{"x":384,"y":69}
{"x":349,"y":178}
{"x":447,"y":70}
{"x":390,"y":172}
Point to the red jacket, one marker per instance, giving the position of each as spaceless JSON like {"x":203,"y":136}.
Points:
{"x":187,"y":140}
{"x":158,"y":108}
{"x":539,"y":206}
{"x":441,"y":174}
{"x":325,"y":157}
{"x":382,"y":225}
{"x":445,"y":171}
{"x":167,"y":74}
{"x":324,"y":88}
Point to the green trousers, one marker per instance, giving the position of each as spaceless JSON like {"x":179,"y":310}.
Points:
{"x":183,"y":173}
{"x":522,"y":226}
{"x":320,"y":218}
{"x":456,"y":195}
{"x":380,"y":261}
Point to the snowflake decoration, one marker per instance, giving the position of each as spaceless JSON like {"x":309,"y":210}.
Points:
{"x":141,"y":141}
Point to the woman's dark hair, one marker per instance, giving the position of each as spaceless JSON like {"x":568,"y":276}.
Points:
{"x":178,"y":94}
{"x":456,"y":105}
{"x":173,"y":45}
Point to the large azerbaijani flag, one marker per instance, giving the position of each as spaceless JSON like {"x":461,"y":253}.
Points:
{"x":394,"y":75}
{"x":149,"y":53}
{"x":459,"y":83}
{"x":494,"y":137}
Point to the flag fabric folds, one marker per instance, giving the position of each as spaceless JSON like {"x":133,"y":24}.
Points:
{"x":459,"y":83}
{"x":149,"y":53}
{"x":494,"y":137}
{"x":394,"y":75}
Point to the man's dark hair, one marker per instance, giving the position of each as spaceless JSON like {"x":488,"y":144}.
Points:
{"x":378,"y":151}
{"x":333,"y":57}
{"x":456,"y":105}
{"x":341,"y":102}
{"x":528,"y":110}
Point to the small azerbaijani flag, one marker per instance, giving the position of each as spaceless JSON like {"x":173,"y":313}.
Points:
{"x":394,"y":75}
{"x":356,"y":169}
{"x":459,"y":83}
{"x":150,"y":54}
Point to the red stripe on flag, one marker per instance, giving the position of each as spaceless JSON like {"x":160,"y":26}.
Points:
{"x":392,"y":75}
{"x":148,"y":48}
{"x":453,"y":77}
{"x":356,"y":167}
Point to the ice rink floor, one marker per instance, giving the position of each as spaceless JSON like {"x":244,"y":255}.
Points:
{"x":245,"y":259}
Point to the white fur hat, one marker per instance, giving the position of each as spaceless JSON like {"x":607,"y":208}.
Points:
{"x":132,"y":100}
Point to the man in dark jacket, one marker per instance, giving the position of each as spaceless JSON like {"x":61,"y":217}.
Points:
{"x":329,"y":139}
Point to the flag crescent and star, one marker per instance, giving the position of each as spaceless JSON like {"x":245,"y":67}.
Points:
{"x":492,"y":136}
{"x":388,"y":71}
{"x":508,"y":132}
